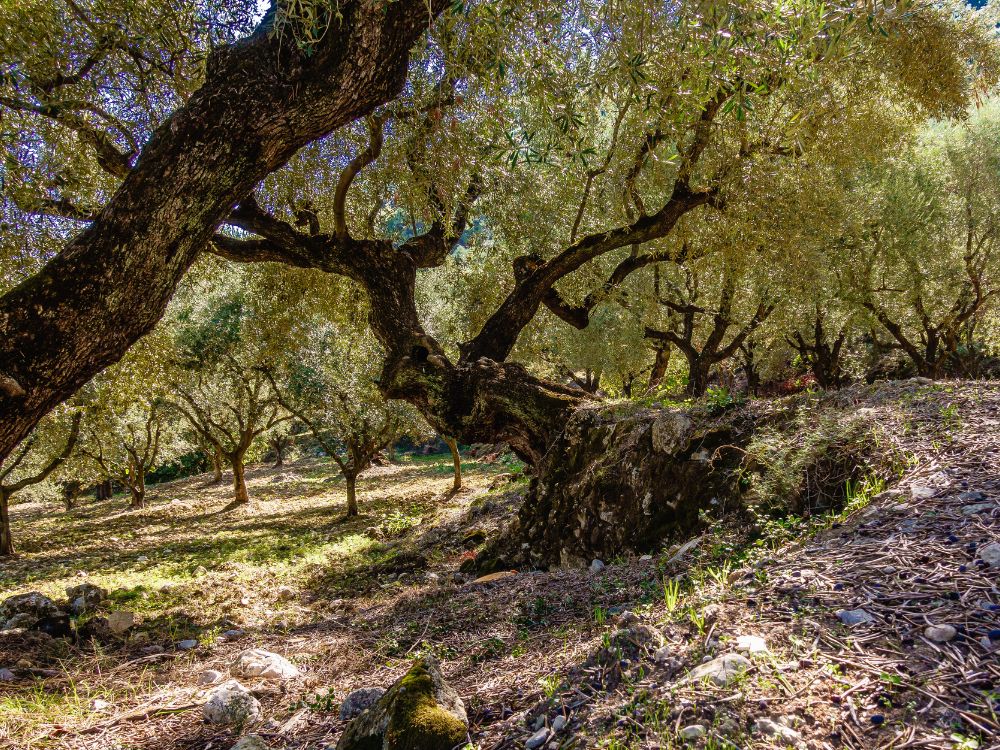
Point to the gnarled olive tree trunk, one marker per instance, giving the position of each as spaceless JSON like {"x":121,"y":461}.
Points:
{"x":261,"y":101}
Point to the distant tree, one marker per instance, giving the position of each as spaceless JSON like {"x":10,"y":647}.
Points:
{"x":35,"y":459}
{"x":127,"y":444}
{"x":230,"y":406}
{"x":701,"y":321}
{"x":329,"y":385}
{"x":822,"y":348}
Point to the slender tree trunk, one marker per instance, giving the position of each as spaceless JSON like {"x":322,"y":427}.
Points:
{"x":71,"y":491}
{"x":456,"y":459}
{"x":698,"y":373}
{"x":352,"y":493}
{"x":240,"y":496}
{"x":137,"y":484}
{"x":660,"y":365}
{"x":6,"y":540}
{"x":216,"y":458}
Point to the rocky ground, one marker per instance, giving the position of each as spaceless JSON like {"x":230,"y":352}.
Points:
{"x":872,"y":627}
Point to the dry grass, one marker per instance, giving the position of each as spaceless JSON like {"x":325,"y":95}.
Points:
{"x":370,"y":594}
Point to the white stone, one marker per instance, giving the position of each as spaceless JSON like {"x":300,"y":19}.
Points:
{"x":692,"y":732}
{"x":256,"y":662}
{"x":231,"y":703}
{"x":671,"y":431}
{"x":777,"y":730}
{"x":719,"y":670}
{"x":922,"y":492}
{"x":99,"y":705}
{"x":250,"y":742}
{"x":751,"y":644}
{"x":187,"y":644}
{"x":210,"y":677}
{"x":991,"y":554}
{"x":940,"y":633}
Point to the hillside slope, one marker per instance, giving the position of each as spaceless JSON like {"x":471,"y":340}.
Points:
{"x":610,"y":649}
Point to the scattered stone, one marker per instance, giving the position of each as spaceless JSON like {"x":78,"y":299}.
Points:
{"x":85,"y":597}
{"x":357,"y":701}
{"x":692,"y":732}
{"x":852,"y":617}
{"x":234,"y":633}
{"x":32,"y":607}
{"x":940,"y":633}
{"x":596,"y":566}
{"x":154,"y":649}
{"x":645,"y":558}
{"x":285,"y":593}
{"x":663,"y":655}
{"x":187,"y":644}
{"x":142,"y":559}
{"x":719,"y":670}
{"x":210,"y":677}
{"x":559,"y":723}
{"x":6,"y":675}
{"x":972,"y":496}
{"x":420,"y":710}
{"x":120,"y":621}
{"x":99,"y":705}
{"x":775,"y":729}
{"x":990,"y":554}
{"x":922,"y":492}
{"x":250,"y":742}
{"x":231,"y":703}
{"x":538,"y":739}
{"x":971,"y":510}
{"x":751,"y":644}
{"x":201,"y":570}
{"x":256,"y":662}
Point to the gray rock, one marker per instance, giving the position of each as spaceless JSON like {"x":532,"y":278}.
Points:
{"x":250,"y":742}
{"x":991,"y":554}
{"x":6,"y":675}
{"x":187,"y":644}
{"x":596,"y":566}
{"x":234,"y":634}
{"x":419,"y":710}
{"x":85,"y":597}
{"x":971,"y":510}
{"x":559,"y":723}
{"x":751,"y":644}
{"x":538,"y":739}
{"x":210,"y":677}
{"x":972,"y":496}
{"x":940,"y":633}
{"x":777,"y":730}
{"x":231,"y":703}
{"x":121,"y":621}
{"x":20,"y":621}
{"x":922,"y":492}
{"x":671,"y":431}
{"x":33,"y":605}
{"x":663,"y":654}
{"x":357,"y":701}
{"x":719,"y":670}
{"x":692,"y":732}
{"x":256,"y":662}
{"x":852,"y":617}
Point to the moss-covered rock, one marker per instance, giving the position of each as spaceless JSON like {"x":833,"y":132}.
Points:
{"x":419,"y":712}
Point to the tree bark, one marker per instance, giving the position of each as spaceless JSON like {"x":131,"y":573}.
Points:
{"x":352,"y":493}
{"x":262,"y":100}
{"x":137,"y":484}
{"x":216,"y":458}
{"x":660,"y":365}
{"x":240,"y":495}
{"x":6,"y":538}
{"x":456,"y":459}
{"x":698,"y":373}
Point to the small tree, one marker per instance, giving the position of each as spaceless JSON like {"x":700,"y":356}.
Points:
{"x":41,"y":453}
{"x":330,"y":387}
{"x":704,"y":346}
{"x":456,"y":459}
{"x":822,"y":349}
{"x":127,"y":443}
{"x":230,"y":406}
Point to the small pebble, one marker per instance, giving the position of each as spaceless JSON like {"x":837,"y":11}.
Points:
{"x":692,"y":732}
{"x":187,"y":644}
